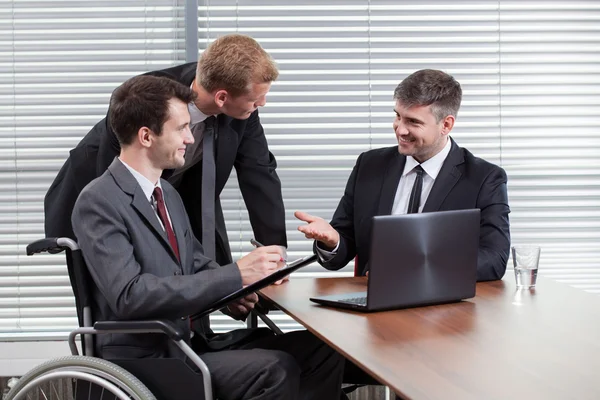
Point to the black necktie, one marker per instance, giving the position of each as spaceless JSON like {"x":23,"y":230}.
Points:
{"x":415,"y":194}
{"x":208,"y":188}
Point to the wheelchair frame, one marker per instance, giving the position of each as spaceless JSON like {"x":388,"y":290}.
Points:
{"x":79,"y":283}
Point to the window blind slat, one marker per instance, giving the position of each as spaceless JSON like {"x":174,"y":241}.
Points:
{"x":60,"y":61}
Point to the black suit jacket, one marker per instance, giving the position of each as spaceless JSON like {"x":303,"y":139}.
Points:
{"x":240,"y":144}
{"x":464,"y":182}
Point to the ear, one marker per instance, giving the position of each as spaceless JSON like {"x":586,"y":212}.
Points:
{"x":220,"y":97}
{"x":447,"y":124}
{"x":144,"y":136}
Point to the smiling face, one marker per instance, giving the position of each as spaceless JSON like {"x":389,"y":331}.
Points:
{"x":418,"y":132}
{"x":168,"y":148}
{"x":242,"y":106}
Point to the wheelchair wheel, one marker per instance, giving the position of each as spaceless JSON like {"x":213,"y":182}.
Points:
{"x":79,"y":378}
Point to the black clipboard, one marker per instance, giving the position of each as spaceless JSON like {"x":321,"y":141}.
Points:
{"x":264,"y":282}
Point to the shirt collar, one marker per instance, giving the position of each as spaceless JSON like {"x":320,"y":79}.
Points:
{"x":432,"y":166}
{"x":196,"y":116}
{"x":145,"y":184}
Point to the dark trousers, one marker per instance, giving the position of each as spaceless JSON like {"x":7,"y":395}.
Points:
{"x":296,"y":365}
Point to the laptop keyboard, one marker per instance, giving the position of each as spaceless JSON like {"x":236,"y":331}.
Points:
{"x":361,"y":301}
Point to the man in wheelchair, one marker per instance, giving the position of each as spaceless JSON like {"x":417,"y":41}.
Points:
{"x":145,"y":262}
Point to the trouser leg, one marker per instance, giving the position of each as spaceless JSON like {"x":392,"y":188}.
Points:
{"x":321,"y":367}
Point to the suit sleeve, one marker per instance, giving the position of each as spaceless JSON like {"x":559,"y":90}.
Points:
{"x":131,"y":294}
{"x":343,"y":223}
{"x":59,"y":202}
{"x":260,"y":185}
{"x":494,"y":235}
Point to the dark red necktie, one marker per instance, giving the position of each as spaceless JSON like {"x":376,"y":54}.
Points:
{"x":162,"y":213}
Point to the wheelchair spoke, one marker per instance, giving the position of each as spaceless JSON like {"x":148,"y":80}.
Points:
{"x":59,"y":380}
{"x":55,"y":391}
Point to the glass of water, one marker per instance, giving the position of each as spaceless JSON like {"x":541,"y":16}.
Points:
{"x":525,"y":260}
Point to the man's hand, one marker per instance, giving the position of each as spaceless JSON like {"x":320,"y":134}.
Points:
{"x":242,"y":307}
{"x":259,"y":263}
{"x":280,"y":265}
{"x":318,"y":229}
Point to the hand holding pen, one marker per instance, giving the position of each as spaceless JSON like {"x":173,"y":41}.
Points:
{"x":258,"y":244}
{"x":282,"y":261}
{"x":259,"y":263}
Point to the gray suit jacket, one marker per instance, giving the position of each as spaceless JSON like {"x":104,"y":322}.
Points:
{"x":135,"y":271}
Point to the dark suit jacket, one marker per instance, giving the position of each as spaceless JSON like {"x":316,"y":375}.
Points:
{"x":135,"y":271}
{"x":464,"y":182}
{"x":240,"y":144}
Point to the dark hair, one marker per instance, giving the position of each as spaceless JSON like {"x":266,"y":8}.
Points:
{"x":234,"y":62}
{"x":144,"y":101}
{"x":430,"y":87}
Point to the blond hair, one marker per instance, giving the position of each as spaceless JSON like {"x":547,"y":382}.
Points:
{"x":233,"y":63}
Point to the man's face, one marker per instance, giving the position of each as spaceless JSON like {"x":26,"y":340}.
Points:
{"x":418,"y":133}
{"x":169,"y":147}
{"x":242,"y":106}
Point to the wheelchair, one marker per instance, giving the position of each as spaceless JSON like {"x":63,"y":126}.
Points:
{"x":85,"y":377}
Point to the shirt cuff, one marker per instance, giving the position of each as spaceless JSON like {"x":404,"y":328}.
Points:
{"x":326,"y":255}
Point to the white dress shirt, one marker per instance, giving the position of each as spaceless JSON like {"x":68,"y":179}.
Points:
{"x":148,"y":190}
{"x":196,"y":116}
{"x":431,"y":167}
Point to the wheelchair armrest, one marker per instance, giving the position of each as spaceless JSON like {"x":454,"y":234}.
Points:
{"x":51,"y":245}
{"x":151,"y":325}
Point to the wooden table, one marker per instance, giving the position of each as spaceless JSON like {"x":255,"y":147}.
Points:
{"x":504,"y":344}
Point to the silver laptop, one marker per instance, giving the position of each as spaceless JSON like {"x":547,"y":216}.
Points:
{"x":416,"y":260}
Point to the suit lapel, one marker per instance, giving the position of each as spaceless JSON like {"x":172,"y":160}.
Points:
{"x":143,"y":207}
{"x":446,"y":179}
{"x":393,"y":172}
{"x":139,"y":202}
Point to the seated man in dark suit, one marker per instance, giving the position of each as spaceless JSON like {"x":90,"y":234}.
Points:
{"x":426,"y":172}
{"x":137,"y":241}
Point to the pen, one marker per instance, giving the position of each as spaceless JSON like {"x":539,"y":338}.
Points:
{"x":258,"y":244}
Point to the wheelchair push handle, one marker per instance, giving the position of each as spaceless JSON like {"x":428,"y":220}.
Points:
{"x":51,"y":245}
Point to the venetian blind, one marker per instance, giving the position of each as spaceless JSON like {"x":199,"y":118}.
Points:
{"x":529,"y":70}
{"x":59,"y":62}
